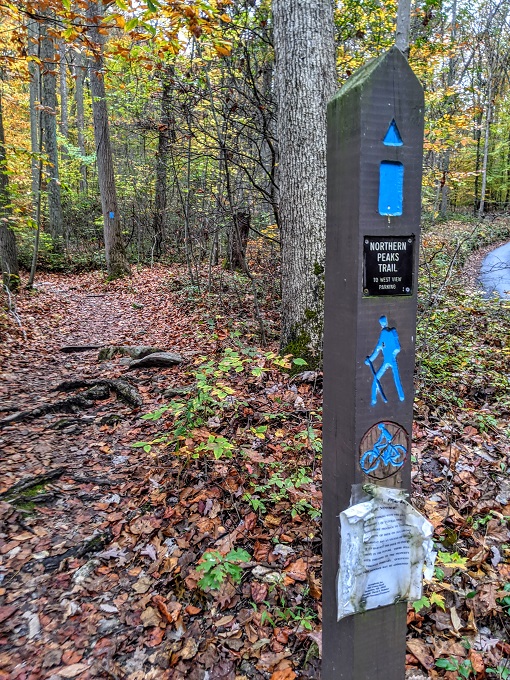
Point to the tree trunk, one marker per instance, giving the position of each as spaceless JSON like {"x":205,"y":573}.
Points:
{"x":403,"y":25}
{"x":238,"y":240}
{"x":485,"y":161}
{"x":165,"y":137}
{"x":305,"y":78}
{"x":8,"y":252}
{"x":49,"y":121}
{"x":35,"y":96}
{"x":80,"y":71}
{"x":116,"y":261}
{"x":450,"y":81}
{"x":64,"y":117}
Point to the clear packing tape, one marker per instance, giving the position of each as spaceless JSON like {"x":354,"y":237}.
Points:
{"x":386,"y":550}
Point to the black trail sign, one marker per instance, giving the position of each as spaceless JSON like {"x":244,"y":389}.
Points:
{"x":375,"y":141}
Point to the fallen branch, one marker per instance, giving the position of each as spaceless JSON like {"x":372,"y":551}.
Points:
{"x":70,"y":349}
{"x":92,"y":545}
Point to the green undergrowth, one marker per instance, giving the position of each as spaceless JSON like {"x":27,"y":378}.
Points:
{"x":216,"y":421}
{"x":463,"y":350}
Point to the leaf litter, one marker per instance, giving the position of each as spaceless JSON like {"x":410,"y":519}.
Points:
{"x":225,"y":472}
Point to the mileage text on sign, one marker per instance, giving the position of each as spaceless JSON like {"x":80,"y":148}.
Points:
{"x":388,"y":265}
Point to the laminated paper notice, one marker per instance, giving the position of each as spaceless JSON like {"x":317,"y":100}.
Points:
{"x":386,"y":545}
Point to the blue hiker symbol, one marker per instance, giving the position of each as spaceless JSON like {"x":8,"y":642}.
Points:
{"x":389,"y":346}
{"x":383,"y":451}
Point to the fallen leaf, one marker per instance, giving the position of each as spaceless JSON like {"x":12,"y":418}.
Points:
{"x":476,"y":661}
{"x":72,"y":671}
{"x":456,"y":620}
{"x":258,"y":591}
{"x":421,"y":651}
{"x":297,"y":570}
{"x":286,"y":674}
{"x":6,"y":611}
{"x":155,"y":637}
{"x":192,"y":611}
{"x":150,"y":617}
{"x":143,"y":584}
{"x":189,"y":649}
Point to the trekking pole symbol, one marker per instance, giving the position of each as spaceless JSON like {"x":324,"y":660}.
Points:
{"x":388,"y":346}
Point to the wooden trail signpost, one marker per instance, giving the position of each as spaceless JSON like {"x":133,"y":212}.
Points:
{"x":375,"y":141}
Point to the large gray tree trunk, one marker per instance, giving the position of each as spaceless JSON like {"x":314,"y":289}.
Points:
{"x":79,"y":73}
{"x":305,"y":79}
{"x":35,"y":97}
{"x":116,"y":261}
{"x":166,"y":136}
{"x":64,"y":118}
{"x":8,"y":252}
{"x":403,"y":26}
{"x":49,"y":124}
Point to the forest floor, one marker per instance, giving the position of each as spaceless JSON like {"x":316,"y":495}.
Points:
{"x":181,"y":537}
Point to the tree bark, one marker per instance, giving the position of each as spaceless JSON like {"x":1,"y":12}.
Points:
{"x":80,"y":70}
{"x":238,"y":240}
{"x":35,"y":97}
{"x":49,"y":121}
{"x":485,"y":160}
{"x":166,"y":136}
{"x":403,"y":26}
{"x":64,"y":117}
{"x":450,"y":81}
{"x":116,"y":260}
{"x":305,"y":78}
{"x":8,"y":251}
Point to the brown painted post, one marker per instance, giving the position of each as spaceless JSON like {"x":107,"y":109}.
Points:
{"x":375,"y":141}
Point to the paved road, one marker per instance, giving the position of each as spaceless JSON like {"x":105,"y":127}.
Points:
{"x":495,"y":272}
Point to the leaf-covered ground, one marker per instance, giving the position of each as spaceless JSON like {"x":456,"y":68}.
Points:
{"x":182,"y":538}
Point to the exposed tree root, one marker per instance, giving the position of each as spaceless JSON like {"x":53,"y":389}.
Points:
{"x":30,"y":482}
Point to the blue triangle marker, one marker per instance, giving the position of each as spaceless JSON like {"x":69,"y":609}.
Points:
{"x":393,"y":137}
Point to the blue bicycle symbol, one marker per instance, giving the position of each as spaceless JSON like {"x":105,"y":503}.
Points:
{"x":384,"y":451}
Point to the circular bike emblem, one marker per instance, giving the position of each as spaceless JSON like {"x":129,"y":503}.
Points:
{"x":383,"y":450}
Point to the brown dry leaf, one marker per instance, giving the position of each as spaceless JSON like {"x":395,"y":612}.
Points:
{"x":6,"y":611}
{"x":297,"y":570}
{"x":272,"y":521}
{"x":421,"y":651}
{"x":476,"y":661}
{"x":189,"y":649}
{"x":226,"y":595}
{"x":315,"y":587}
{"x":316,"y":636}
{"x":227,"y":542}
{"x":224,"y":621}
{"x":250,"y":521}
{"x":484,"y":602}
{"x":449,"y":647}
{"x":258,"y":591}
{"x":150,"y":617}
{"x":261,"y":551}
{"x":72,"y":671}
{"x":170,"y":612}
{"x":285,"y":674}
{"x":488,"y":594}
{"x":141,"y":525}
{"x":268,"y":660}
{"x":155,"y":637}
{"x":192,"y":611}
{"x":142,"y":585}
{"x":456,"y":620}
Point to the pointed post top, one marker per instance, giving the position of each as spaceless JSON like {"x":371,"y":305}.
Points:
{"x":392,"y":137}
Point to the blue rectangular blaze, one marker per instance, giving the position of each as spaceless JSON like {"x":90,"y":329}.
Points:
{"x":391,"y":188}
